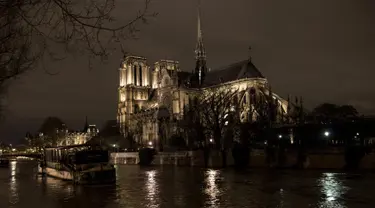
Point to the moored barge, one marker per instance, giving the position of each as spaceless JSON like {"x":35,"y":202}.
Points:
{"x":82,"y":164}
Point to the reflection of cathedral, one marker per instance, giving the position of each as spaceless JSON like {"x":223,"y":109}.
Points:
{"x":148,"y":96}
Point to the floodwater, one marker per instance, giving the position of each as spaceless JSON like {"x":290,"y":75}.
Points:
{"x":171,"y":187}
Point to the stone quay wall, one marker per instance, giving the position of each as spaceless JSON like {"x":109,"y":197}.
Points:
{"x":181,"y":158}
{"x":258,"y":159}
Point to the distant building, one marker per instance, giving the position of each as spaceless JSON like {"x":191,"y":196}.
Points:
{"x":63,"y":136}
{"x":78,"y":137}
{"x":162,"y":91}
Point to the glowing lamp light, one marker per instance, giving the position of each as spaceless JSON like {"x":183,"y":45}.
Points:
{"x":114,"y":145}
{"x":280,"y":136}
{"x":326,"y":133}
{"x":211,"y":140}
{"x":150,"y":143}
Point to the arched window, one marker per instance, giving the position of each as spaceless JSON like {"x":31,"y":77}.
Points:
{"x":140,"y":75}
{"x":135,"y":74}
{"x":165,"y":81}
{"x":136,"y":108}
{"x":120,"y":75}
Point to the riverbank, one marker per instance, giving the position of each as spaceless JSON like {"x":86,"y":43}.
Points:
{"x":258,"y":159}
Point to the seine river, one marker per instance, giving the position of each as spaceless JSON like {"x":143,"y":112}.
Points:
{"x":171,"y":187}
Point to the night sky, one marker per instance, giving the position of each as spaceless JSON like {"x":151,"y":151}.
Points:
{"x":321,"y":50}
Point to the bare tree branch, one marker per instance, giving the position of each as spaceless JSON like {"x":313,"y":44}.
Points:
{"x":34,"y":30}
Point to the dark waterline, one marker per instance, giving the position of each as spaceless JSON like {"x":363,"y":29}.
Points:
{"x":169,"y":187}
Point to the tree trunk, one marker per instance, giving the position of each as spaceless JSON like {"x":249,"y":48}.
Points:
{"x":224,"y":158}
{"x":217,"y":139}
{"x":206,"y":155}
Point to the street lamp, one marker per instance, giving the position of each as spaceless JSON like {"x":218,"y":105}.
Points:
{"x":115,"y":146}
{"x":280,"y":136}
{"x":326,"y":133}
{"x":150,"y":143}
{"x":211,"y":140}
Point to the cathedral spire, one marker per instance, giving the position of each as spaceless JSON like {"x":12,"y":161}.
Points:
{"x":86,"y":125}
{"x":249,"y":53}
{"x":200,"y":52}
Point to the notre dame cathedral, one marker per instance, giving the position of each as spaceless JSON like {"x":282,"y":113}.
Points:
{"x":149,"y":93}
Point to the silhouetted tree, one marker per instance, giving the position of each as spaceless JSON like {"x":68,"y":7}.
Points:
{"x":347,"y":111}
{"x":191,"y":125}
{"x":110,"y":128}
{"x":36,"y":29}
{"x":53,"y":130}
{"x":32,"y":31}
{"x":177,"y":141}
{"x":328,"y":112}
{"x":4,"y":146}
{"x":50,"y":125}
{"x":216,"y":114}
{"x":216,"y":106}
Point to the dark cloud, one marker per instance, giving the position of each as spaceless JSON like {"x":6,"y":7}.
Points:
{"x":321,"y":50}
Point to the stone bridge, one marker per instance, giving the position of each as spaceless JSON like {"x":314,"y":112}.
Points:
{"x":21,"y":154}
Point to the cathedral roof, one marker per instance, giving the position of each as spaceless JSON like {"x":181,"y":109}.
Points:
{"x":239,"y":70}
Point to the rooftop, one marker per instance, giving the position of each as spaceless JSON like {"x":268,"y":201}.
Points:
{"x":239,"y":70}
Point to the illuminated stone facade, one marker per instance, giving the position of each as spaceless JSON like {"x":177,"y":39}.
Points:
{"x":80,"y":137}
{"x":67,"y":137}
{"x":159,"y":92}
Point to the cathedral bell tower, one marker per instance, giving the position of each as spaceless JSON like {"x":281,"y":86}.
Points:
{"x":134,"y":85}
{"x":200,"y":54}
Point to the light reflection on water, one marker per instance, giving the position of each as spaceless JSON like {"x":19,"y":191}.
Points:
{"x":189,"y":187}
{"x":333,"y":190}
{"x":52,"y":185}
{"x":152,"y":189}
{"x":212,"y":189}
{"x":13,"y":196}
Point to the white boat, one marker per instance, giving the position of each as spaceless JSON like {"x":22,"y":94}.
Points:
{"x":82,"y":164}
